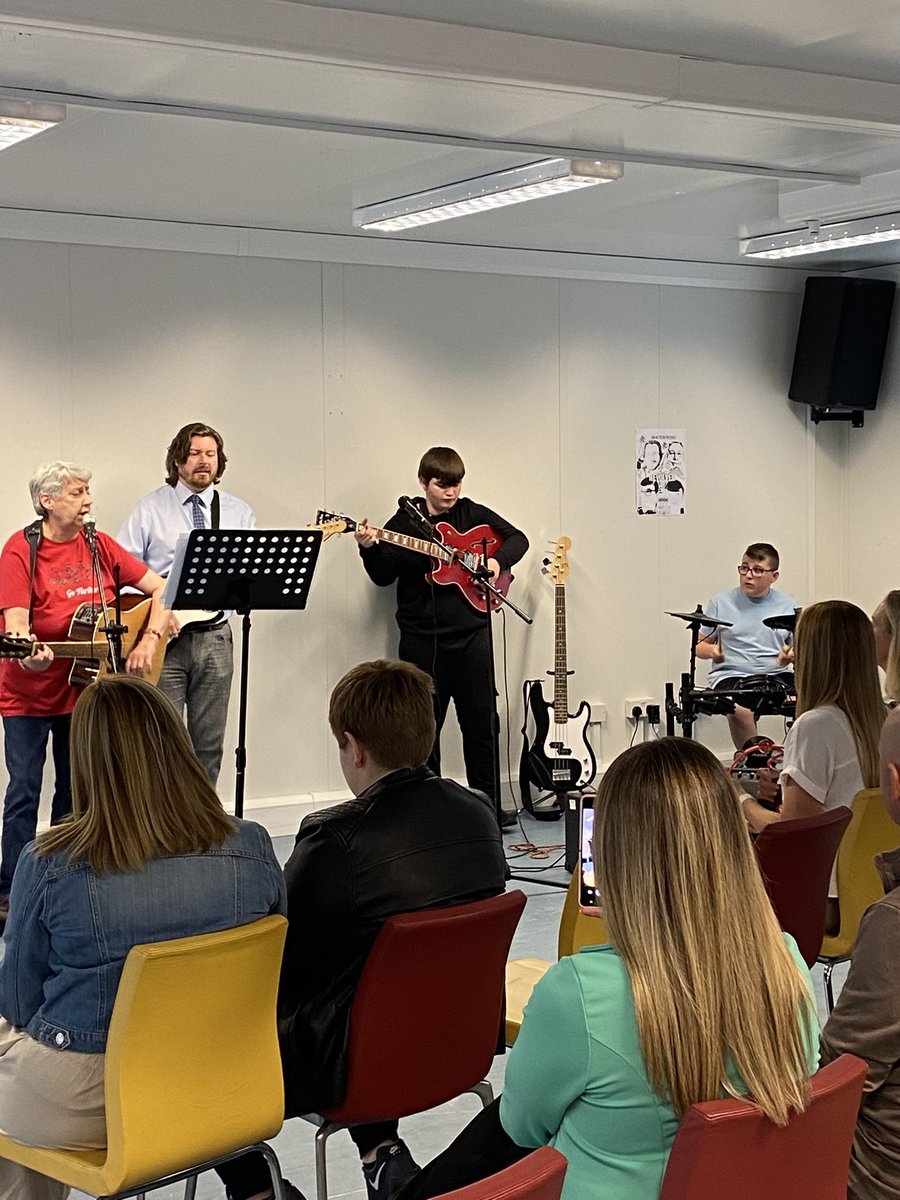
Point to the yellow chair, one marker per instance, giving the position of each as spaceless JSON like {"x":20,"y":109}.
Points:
{"x":193,"y":1070}
{"x":575,"y":930}
{"x":871,"y":831}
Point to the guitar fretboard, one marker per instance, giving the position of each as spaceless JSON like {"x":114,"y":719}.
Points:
{"x":422,"y":545}
{"x":98,"y":649}
{"x":560,"y":673}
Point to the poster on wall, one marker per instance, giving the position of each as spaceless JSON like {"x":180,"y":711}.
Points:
{"x":660,"y":477}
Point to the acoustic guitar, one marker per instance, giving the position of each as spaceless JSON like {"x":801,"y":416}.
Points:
{"x":88,"y":646}
{"x":456,"y":553}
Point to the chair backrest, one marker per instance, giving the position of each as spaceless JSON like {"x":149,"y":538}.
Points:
{"x":730,"y":1140}
{"x":193,"y":1068}
{"x":795,"y":858}
{"x":870,"y":832}
{"x":537,"y":1176}
{"x":576,"y":929}
{"x":425,"y":1020}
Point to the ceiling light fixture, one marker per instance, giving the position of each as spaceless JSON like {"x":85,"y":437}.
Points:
{"x":20,"y":119}
{"x":549,"y":177}
{"x":816,"y":238}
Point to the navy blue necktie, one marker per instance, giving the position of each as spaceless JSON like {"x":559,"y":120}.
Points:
{"x":197,"y":514}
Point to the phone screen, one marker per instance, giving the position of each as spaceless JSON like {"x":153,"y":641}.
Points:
{"x":588,"y":890}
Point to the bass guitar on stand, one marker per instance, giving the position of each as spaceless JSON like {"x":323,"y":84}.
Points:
{"x":560,"y":758}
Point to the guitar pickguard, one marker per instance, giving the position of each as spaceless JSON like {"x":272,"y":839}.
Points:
{"x":560,"y":758}
{"x":470,"y":548}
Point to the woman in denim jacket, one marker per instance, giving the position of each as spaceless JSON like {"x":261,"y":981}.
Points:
{"x":147,"y":855}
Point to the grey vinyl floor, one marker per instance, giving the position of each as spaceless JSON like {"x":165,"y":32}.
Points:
{"x":429,"y":1133}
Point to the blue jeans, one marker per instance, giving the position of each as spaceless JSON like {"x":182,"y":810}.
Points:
{"x":25,"y":749}
{"x":196,"y":677}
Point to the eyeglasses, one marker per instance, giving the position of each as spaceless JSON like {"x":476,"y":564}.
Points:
{"x":756,"y":572}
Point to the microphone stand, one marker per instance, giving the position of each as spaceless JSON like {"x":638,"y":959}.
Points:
{"x":112,"y":629}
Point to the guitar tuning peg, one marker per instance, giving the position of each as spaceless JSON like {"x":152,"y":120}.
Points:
{"x":546,"y":562}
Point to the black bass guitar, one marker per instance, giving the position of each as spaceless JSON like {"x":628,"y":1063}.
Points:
{"x":560,"y":758}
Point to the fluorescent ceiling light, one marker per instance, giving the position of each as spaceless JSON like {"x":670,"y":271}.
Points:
{"x":816,"y":238}
{"x":20,"y":119}
{"x":548,"y":177}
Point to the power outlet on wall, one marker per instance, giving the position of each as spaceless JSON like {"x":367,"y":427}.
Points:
{"x":636,"y":709}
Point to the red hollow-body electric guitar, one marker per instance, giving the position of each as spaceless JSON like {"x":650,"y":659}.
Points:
{"x":455,"y":552}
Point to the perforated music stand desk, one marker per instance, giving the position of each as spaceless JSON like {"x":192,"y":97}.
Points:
{"x":244,"y":569}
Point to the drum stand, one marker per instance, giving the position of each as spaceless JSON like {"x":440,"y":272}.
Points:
{"x":684,"y":713}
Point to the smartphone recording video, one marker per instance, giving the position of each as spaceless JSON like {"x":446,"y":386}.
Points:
{"x":588,"y":897}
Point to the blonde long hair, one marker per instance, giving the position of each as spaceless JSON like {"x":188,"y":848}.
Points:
{"x":834,"y":657}
{"x":138,"y":790}
{"x":891,"y":617}
{"x":715,"y":987}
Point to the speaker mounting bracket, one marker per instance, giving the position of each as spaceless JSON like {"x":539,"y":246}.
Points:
{"x":855,"y":416}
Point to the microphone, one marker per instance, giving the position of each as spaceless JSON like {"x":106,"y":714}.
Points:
{"x":405,"y":502}
{"x":89,"y":525}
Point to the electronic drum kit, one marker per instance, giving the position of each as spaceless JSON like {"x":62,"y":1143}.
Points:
{"x":769,"y":698}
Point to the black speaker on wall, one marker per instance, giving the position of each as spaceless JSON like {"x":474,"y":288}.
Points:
{"x":844,"y":325}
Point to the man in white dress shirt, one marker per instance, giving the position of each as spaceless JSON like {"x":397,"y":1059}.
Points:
{"x":199,"y":660}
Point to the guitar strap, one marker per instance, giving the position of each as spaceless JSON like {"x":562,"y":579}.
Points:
{"x":214,"y":511}
{"x":34,"y":537}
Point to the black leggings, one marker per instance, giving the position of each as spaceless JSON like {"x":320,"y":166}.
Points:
{"x":247,"y":1175}
{"x":483,"y":1148}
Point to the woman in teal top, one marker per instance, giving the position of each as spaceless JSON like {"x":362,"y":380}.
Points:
{"x":698,"y":996}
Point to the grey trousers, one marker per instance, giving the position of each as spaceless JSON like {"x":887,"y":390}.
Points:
{"x":196,"y":676}
{"x":47,"y":1098}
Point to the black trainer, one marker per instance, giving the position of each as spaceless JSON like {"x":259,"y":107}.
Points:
{"x":393,"y":1167}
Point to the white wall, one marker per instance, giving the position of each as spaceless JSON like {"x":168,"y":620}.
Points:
{"x":328,"y":381}
{"x":873,"y":527}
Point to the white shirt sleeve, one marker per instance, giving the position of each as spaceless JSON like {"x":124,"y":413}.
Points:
{"x":815,"y":749}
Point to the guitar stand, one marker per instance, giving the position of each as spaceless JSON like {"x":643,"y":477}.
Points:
{"x":243,"y":570}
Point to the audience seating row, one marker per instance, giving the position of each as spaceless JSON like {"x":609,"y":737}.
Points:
{"x":796,"y":859}
{"x":193,"y":1071}
{"x":179,"y":1100}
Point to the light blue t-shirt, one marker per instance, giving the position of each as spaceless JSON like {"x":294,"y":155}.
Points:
{"x":750,"y":648}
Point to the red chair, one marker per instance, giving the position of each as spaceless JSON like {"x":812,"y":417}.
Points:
{"x":796,"y":858}
{"x":426,"y":1018}
{"x":538,"y":1176}
{"x":728,"y":1148}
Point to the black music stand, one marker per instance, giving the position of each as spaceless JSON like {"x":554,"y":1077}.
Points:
{"x":243,"y":569}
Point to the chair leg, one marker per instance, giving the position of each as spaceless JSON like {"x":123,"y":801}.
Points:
{"x":323,"y":1133}
{"x":190,"y":1187}
{"x":274,"y":1169}
{"x":829,"y":991}
{"x":484,"y":1092}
